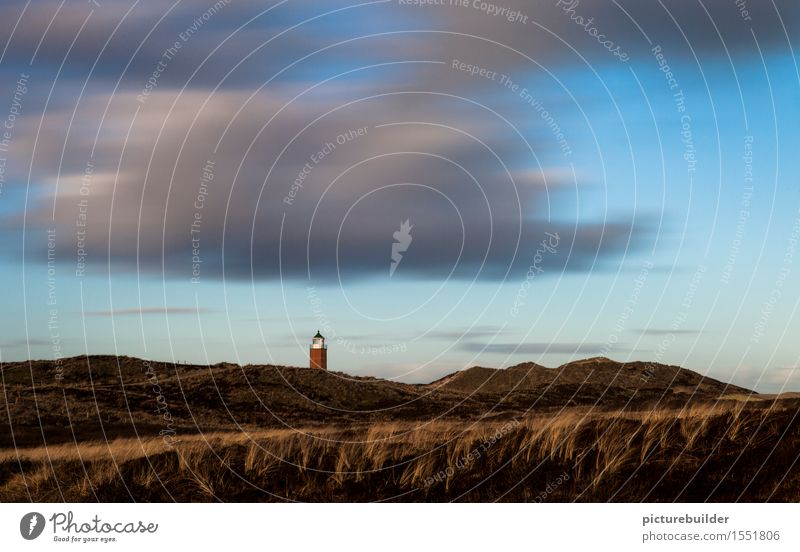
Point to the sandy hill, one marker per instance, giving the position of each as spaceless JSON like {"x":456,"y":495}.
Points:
{"x":108,"y":396}
{"x":597,"y":374}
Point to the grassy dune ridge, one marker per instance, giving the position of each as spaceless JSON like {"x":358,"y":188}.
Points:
{"x":737,"y":450}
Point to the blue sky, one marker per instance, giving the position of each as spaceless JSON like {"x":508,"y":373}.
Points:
{"x":657,"y":258}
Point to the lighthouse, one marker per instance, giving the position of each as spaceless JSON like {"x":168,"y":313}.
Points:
{"x":318,"y":352}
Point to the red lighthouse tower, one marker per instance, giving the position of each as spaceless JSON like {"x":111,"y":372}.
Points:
{"x":318,"y":352}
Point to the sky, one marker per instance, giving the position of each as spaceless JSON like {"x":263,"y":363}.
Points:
{"x":432,"y":186}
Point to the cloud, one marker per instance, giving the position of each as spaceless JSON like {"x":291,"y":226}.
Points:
{"x":664,"y":331}
{"x":550,"y":33}
{"x":24,"y":343}
{"x":145,"y":196}
{"x":467,"y":332}
{"x":537,"y":348}
{"x":478,"y":172}
{"x":148,"y":311}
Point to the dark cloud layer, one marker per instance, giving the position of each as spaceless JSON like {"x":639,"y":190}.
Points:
{"x":479,"y":196}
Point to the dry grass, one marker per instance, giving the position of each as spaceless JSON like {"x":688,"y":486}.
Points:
{"x":731,"y":452}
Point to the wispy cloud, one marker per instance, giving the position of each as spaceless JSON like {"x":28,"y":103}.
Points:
{"x":20,"y":343}
{"x":663,"y":331}
{"x":466,"y":333}
{"x":148,"y":311}
{"x":539,"y":348}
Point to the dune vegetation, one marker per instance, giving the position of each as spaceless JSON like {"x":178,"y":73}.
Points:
{"x":731,"y":451}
